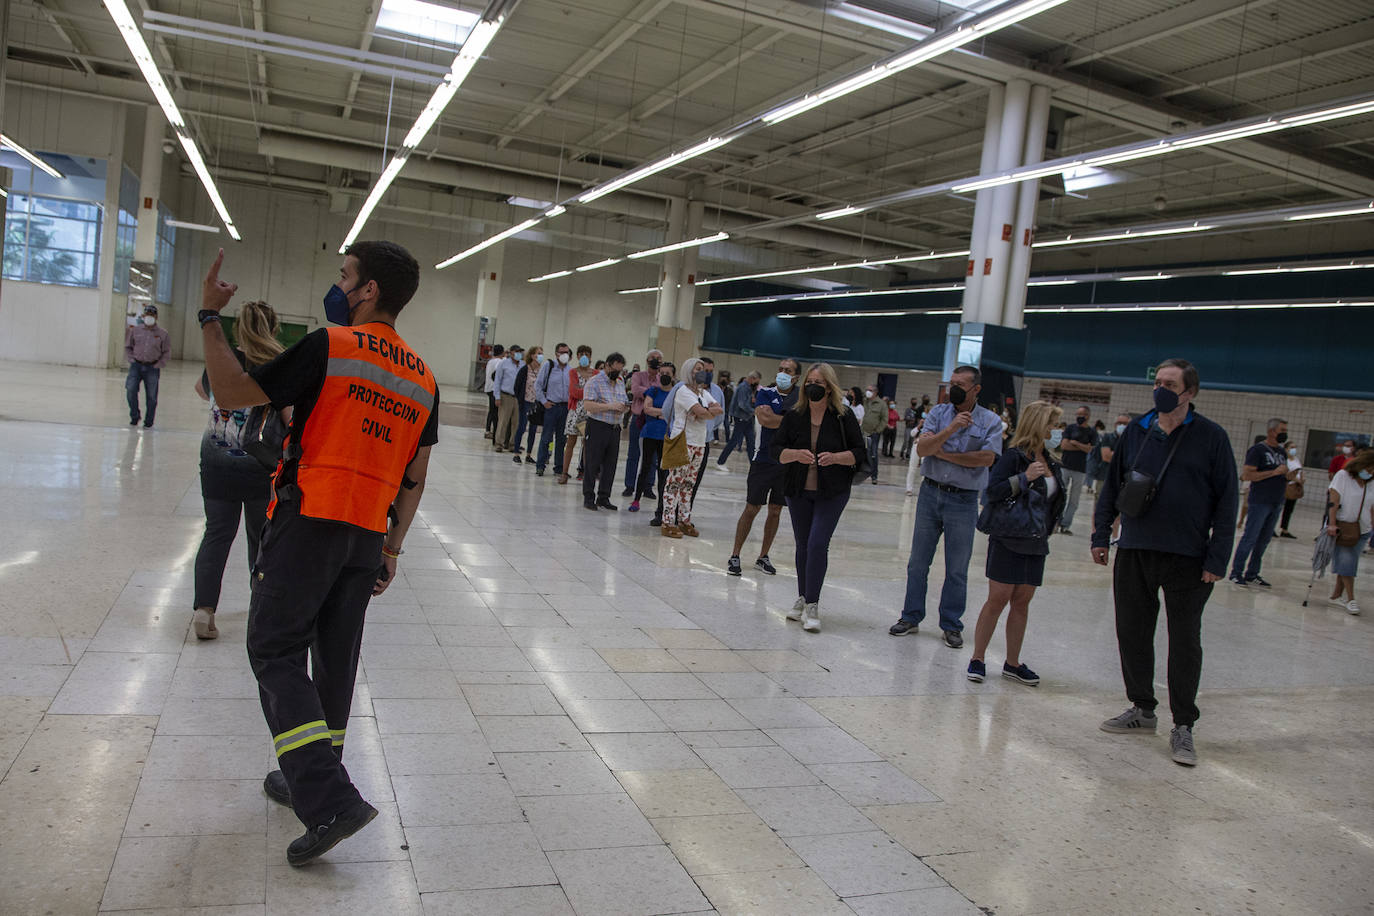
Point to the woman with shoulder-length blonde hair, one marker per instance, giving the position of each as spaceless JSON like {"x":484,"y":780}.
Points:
{"x":232,"y":482}
{"x":819,"y":443}
{"x":1016,"y":565}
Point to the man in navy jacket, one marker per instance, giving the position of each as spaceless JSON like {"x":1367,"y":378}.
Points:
{"x":1180,"y":545}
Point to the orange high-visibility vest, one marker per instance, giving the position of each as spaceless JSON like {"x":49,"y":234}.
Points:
{"x":364,"y":429}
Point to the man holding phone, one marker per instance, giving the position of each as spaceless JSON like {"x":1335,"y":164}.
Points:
{"x":1176,"y":540}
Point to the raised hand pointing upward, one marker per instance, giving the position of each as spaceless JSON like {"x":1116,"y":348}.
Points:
{"x":216,"y":293}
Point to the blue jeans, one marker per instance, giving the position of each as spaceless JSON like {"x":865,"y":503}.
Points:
{"x":1259,"y":529}
{"x":525,"y":409}
{"x":632,"y":454}
{"x":149,"y":376}
{"x":953,"y":515}
{"x":813,"y":522}
{"x":874,"y":442}
{"x":744,"y":430}
{"x":555,"y":418}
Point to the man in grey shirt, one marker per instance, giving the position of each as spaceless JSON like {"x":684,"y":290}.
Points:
{"x":147,"y":347}
{"x":959,"y":442}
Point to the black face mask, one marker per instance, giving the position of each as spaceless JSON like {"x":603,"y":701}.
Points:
{"x":613,"y":374}
{"x":957,"y":395}
{"x":1281,"y":438}
{"x":655,"y":363}
{"x":665,"y":380}
{"x":815,"y":392}
{"x":1082,"y":421}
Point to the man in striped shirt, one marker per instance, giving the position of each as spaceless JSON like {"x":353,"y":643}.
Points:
{"x":605,"y":401}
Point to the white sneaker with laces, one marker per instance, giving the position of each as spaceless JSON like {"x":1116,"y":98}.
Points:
{"x":1352,"y":606}
{"x":811,"y":618}
{"x":797,"y":607}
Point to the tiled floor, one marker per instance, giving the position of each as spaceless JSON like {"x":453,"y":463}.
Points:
{"x":562,"y":712}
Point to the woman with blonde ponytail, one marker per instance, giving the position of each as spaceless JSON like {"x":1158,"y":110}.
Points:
{"x":232,"y":482}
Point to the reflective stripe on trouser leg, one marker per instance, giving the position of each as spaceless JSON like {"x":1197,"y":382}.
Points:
{"x":301,"y":735}
{"x":336,"y":737}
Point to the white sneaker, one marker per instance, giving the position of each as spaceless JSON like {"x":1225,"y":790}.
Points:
{"x":720,"y":468}
{"x":1338,"y":603}
{"x":1352,"y":606}
{"x":797,"y":608}
{"x":811,"y":618}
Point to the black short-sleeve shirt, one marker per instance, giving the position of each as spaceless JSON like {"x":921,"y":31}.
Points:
{"x":294,"y":380}
{"x":1078,"y":461}
{"x":1263,"y":458}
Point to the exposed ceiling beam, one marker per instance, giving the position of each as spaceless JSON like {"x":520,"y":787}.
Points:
{"x":79,"y":51}
{"x":1157,"y":27}
{"x":364,"y":45}
{"x":1273,"y":58}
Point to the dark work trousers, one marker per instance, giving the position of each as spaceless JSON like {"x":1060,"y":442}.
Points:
{"x":813,"y":522}
{"x":662,"y":482}
{"x":889,"y":440}
{"x":742,"y":434}
{"x":1288,"y":505}
{"x":632,"y":453}
{"x":493,"y":413}
{"x":650,"y":450}
{"x":1137,"y":579}
{"x":599,"y":456}
{"x":311,"y":587}
{"x":149,"y":376}
{"x":874,"y":448}
{"x":221,"y":527}
{"x":555,"y":418}
{"x":701,"y":471}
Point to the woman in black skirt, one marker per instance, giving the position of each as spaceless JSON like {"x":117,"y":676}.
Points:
{"x":1016,"y":567}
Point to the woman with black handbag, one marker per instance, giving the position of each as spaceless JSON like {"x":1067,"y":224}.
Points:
{"x":1022,"y":504}
{"x":822,"y":448}
{"x":232,"y":480}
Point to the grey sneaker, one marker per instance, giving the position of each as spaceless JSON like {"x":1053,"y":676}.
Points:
{"x":797,"y":607}
{"x":1181,"y":743}
{"x":1133,"y":721}
{"x":811,"y":618}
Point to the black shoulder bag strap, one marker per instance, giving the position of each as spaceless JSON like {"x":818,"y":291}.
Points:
{"x":1138,"y":492}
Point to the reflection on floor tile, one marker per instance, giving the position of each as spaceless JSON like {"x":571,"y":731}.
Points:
{"x":558,"y":712}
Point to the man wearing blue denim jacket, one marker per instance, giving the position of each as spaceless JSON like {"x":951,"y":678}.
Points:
{"x":957,"y":445}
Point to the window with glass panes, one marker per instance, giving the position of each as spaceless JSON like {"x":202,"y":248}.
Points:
{"x":166,"y":254}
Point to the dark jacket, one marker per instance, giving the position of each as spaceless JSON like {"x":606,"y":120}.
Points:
{"x":838,"y":433}
{"x":1007,"y":478}
{"x":520,"y":378}
{"x":1194,"y":511}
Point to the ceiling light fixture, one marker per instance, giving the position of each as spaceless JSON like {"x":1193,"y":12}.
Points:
{"x":1355,"y":211}
{"x":128,"y":29}
{"x":553,"y":276}
{"x":31,"y":157}
{"x":642,"y":289}
{"x":474,"y":45}
{"x":487,"y":243}
{"x":690,"y":243}
{"x":1160,"y":276}
{"x":598,"y":265}
{"x":194,"y":227}
{"x":652,"y":168}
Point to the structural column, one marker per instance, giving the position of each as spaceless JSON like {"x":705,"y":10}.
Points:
{"x":149,"y":185}
{"x":672,"y":266}
{"x":992,"y":132}
{"x":1028,"y":197}
{"x":1002,"y":213}
{"x":687,"y":276}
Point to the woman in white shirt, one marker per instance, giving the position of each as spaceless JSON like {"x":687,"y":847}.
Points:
{"x":1292,"y":493}
{"x":1350,"y":502}
{"x":693,"y":408}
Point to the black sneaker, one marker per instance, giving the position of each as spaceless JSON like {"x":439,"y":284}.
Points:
{"x":1258,"y":581}
{"x":1063,"y":530}
{"x":902,"y":628}
{"x":538,"y":472}
{"x":763,"y":565}
{"x":517,"y":460}
{"x":275,"y":788}
{"x":655,"y":522}
{"x":628,"y":491}
{"x":134,"y":421}
{"x":733,"y":568}
{"x":954,"y":639}
{"x":1237,"y":580}
{"x":321,"y":838}
{"x":607,"y":504}
{"x":589,"y":504}
{"x":650,"y":494}
{"x":529,"y":459}
{"x":1021,"y":673}
{"x":1285,"y":534}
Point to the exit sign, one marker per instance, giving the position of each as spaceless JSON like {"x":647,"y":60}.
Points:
{"x":746,"y":352}
{"x":1150,"y":373}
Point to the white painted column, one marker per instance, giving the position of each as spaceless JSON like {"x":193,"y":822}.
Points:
{"x":992,"y":132}
{"x":110,"y":323}
{"x":1028,"y":197}
{"x":149,"y":184}
{"x":488,"y":302}
{"x":672,"y":264}
{"x":687,"y":275}
{"x":1002,"y":213}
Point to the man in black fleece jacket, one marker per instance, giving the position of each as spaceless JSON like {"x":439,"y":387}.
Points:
{"x":1180,"y":544}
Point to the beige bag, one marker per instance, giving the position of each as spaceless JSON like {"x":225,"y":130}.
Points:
{"x":674,"y":452}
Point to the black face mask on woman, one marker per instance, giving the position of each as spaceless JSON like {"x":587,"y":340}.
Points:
{"x":815,"y":392}
{"x":665,"y":380}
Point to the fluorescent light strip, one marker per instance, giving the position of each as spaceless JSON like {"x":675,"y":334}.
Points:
{"x":1356,"y":211}
{"x":487,"y":243}
{"x":1054,"y":282}
{"x":843,"y":294}
{"x":473,"y":47}
{"x":128,"y":29}
{"x":690,"y":243}
{"x":847,"y":265}
{"x":194,"y":227}
{"x":629,"y":292}
{"x":31,"y":157}
{"x":598,"y":265}
{"x":1097,"y":309}
{"x":1117,"y":236}
{"x":553,"y":276}
{"x":1146,"y":277}
{"x":1250,"y":272}
{"x":652,"y":168}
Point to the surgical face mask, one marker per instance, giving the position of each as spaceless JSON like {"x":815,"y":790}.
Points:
{"x":654,"y":362}
{"x":150,"y":321}
{"x":784,"y":380}
{"x":563,"y":359}
{"x":702,"y":376}
{"x":1056,"y":436}
{"x":1347,"y":450}
{"x":1120,"y":428}
{"x":336,"y":306}
{"x":868,"y":393}
{"x":1292,"y":453}
{"x":1166,"y":401}
{"x":1365,"y":475}
{"x":539,"y":358}
{"x":1281,"y":438}
{"x":957,"y":395}
{"x":515,"y":357}
{"x":815,"y":392}
{"x":584,"y":361}
{"x":665,"y":380}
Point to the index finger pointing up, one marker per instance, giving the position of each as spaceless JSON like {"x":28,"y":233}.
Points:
{"x":213,"y":275}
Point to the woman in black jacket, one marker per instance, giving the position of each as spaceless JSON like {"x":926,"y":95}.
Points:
{"x":1016,"y":566}
{"x":820,"y":444}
